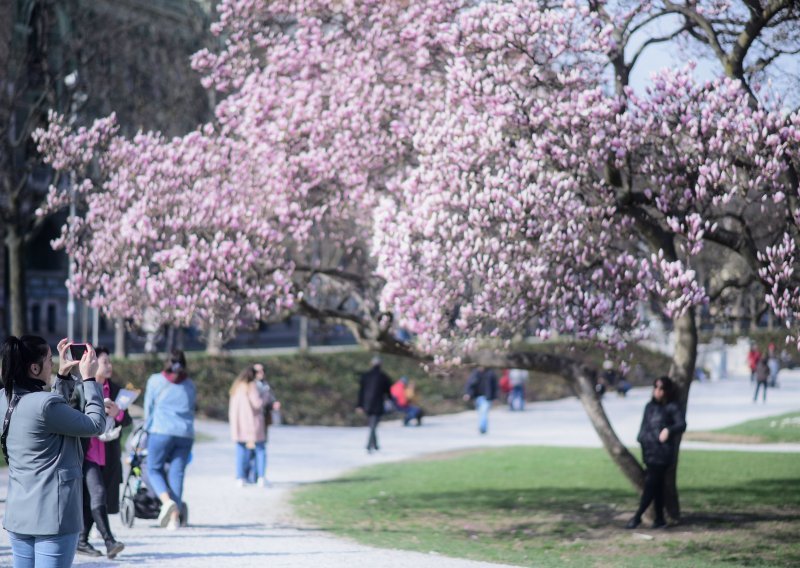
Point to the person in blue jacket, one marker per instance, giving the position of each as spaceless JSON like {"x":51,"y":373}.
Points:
{"x":41,"y":441}
{"x":170,"y":402}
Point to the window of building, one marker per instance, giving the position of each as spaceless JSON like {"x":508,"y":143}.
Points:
{"x":52,"y":322}
{"x":36,"y":318}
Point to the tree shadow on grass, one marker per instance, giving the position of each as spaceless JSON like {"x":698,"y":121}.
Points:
{"x":569,"y":512}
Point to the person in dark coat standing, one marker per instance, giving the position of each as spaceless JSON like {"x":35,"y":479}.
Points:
{"x":374,"y":389}
{"x":102,"y":465}
{"x":482,"y":388}
{"x":662,"y":423}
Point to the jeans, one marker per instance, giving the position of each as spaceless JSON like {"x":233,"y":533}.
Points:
{"x":243,"y":457}
{"x":372,"y":442}
{"x":162,"y":450}
{"x":45,"y":551}
{"x":483,"y":404}
{"x":516,"y":398}
{"x":759,"y":385}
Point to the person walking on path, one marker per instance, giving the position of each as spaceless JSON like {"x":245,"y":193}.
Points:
{"x":41,"y":444}
{"x":248,"y":429}
{"x":374,"y":389}
{"x":518,"y":379}
{"x":662,"y":423}
{"x":774,"y":364}
{"x":482,"y":388}
{"x":753,"y":357}
{"x":762,"y":378}
{"x":169,"y":406}
{"x":272,"y":416}
{"x":102,"y":464}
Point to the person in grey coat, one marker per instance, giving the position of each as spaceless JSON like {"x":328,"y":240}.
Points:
{"x":662,"y":423}
{"x":41,"y":443}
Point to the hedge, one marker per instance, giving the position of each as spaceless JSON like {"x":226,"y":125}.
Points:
{"x":322,"y":389}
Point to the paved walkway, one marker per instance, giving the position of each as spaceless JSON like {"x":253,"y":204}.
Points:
{"x":242,"y":527}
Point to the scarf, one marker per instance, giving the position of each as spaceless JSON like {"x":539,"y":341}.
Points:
{"x":174,"y":378}
{"x":30,"y":384}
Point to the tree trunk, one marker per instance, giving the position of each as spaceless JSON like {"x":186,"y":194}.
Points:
{"x":214,"y":340}
{"x":18,"y":302}
{"x":119,"y":338}
{"x":681,"y":371}
{"x":583,"y":387}
{"x":303,"y":335}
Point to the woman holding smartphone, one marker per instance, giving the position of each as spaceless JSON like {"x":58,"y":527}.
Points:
{"x":41,"y":442}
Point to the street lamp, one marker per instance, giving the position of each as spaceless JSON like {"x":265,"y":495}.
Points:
{"x":70,"y":82}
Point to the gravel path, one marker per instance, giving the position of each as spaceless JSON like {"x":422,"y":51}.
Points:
{"x":242,"y":527}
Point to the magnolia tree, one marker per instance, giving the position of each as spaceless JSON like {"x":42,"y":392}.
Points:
{"x":471,"y":171}
{"x":543,"y":197}
{"x":231,"y":224}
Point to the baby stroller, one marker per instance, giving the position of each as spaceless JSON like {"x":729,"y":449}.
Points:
{"x":137,"y":499}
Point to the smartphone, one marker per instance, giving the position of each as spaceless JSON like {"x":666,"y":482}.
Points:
{"x":77,"y":350}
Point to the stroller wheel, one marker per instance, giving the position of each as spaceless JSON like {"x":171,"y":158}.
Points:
{"x":184,"y":514}
{"x":127,"y":511}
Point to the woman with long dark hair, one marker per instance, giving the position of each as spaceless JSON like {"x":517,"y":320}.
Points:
{"x":41,"y":443}
{"x":662,"y":423}
{"x":169,"y":405}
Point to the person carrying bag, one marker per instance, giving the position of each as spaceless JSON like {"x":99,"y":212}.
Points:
{"x":41,"y":443}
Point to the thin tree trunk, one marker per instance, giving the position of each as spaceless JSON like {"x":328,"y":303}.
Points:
{"x":583,"y":387}
{"x":119,"y":338}
{"x":214,"y":340}
{"x":681,"y":371}
{"x":18,"y":301}
{"x":303,"y":335}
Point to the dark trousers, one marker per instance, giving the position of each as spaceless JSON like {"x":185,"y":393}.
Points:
{"x":653,"y":490}
{"x":372,"y":443}
{"x":94,"y":502}
{"x":760,"y":384}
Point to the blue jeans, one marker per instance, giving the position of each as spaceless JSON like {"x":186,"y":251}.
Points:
{"x":163,"y":450}
{"x":483,"y":405}
{"x":516,"y":398}
{"x":243,"y":457}
{"x":45,"y":551}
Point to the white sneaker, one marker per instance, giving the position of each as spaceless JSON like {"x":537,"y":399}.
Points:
{"x":240,"y":483}
{"x":262,"y":482}
{"x":165,"y":514}
{"x":173,"y":524}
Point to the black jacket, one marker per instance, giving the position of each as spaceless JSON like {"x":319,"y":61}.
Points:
{"x":482,"y":383}
{"x":374,"y":388}
{"x":656,"y":418}
{"x":112,"y":471}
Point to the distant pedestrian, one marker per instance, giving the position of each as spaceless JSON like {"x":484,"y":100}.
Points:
{"x":482,"y":389}
{"x":248,"y":430}
{"x":762,"y":379}
{"x":272,"y":416}
{"x":170,"y":403}
{"x":518,"y":379}
{"x":774,"y":364}
{"x":753,"y":357}
{"x":373,"y":392}
{"x":662,"y":423}
{"x":404,"y":393}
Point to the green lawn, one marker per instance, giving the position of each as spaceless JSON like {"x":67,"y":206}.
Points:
{"x":773,"y":429}
{"x":566,"y":507}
